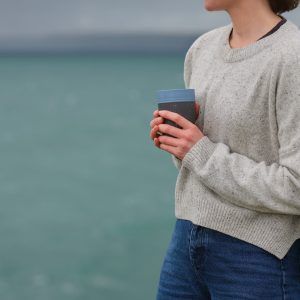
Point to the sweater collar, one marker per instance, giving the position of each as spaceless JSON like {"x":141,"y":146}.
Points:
{"x":236,"y":54}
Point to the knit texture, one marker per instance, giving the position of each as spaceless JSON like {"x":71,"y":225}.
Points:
{"x":243,"y":177}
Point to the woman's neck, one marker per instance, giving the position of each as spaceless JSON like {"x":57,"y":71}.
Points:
{"x":249,"y":27}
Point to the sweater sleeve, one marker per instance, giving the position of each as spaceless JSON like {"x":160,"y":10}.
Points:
{"x":187,"y":71}
{"x":268,"y":188}
{"x":177,"y":162}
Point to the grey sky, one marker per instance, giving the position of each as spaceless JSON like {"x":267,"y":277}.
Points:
{"x":39,"y":17}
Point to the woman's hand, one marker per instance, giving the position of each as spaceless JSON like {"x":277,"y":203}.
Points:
{"x":184,"y":137}
{"x":154,"y":127}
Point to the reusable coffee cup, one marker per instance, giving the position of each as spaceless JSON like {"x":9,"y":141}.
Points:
{"x":181,"y":101}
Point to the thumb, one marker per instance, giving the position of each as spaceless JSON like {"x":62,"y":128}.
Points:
{"x":197,"y":107}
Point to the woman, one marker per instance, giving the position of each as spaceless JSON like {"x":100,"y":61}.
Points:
{"x":237,"y":195}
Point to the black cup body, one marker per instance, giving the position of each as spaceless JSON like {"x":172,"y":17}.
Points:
{"x":184,"y":108}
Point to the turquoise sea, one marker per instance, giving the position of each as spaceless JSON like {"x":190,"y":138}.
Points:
{"x":87,"y":200}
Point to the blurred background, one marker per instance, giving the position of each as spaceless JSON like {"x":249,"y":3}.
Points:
{"x":87,"y":201}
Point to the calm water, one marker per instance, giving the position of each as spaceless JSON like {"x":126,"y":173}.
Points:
{"x":87,"y":201}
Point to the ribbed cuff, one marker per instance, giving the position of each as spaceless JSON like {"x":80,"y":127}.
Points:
{"x":199,"y":153}
{"x":177,"y":162}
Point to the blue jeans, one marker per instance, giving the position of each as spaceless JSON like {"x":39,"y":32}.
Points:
{"x":202,"y":263}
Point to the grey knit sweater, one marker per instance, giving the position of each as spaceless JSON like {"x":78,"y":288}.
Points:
{"x":243,"y":177}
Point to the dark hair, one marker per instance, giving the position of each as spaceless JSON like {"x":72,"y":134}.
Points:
{"x":281,"y":6}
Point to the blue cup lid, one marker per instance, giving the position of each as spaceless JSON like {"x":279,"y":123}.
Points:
{"x":175,"y":95}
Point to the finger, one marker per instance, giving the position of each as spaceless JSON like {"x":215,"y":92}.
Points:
{"x":172,"y":130}
{"x":154,"y":133}
{"x":156,"y":121}
{"x":168,"y":148}
{"x":155,"y":113}
{"x":156,"y":142}
{"x":168,"y":140}
{"x":177,"y":118}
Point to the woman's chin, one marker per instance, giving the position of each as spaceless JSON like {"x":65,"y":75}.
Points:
{"x":211,"y":5}
{"x":210,"y":8}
